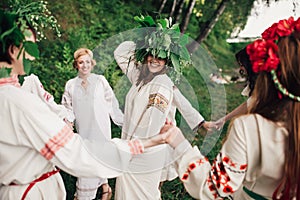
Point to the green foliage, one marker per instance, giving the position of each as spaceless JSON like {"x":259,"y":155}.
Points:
{"x":86,"y":23}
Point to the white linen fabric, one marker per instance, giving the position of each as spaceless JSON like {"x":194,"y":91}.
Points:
{"x":93,"y":107}
{"x":146,"y":110}
{"x":252,"y":156}
{"x":33,"y":140}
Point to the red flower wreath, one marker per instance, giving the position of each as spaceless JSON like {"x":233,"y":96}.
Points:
{"x":283,"y":28}
{"x":263,"y":55}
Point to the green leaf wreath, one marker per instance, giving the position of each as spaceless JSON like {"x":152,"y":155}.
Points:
{"x":164,"y":40}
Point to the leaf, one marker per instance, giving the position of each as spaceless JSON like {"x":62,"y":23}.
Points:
{"x":162,"y":54}
{"x":32,"y":49}
{"x":164,"y":23}
{"x":184,"y":39}
{"x":166,"y":41}
{"x":175,"y":27}
{"x":184,"y":53}
{"x":5,"y":72}
{"x":175,"y":62}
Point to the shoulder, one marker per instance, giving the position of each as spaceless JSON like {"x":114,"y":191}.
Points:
{"x":71,"y":81}
{"x":163,"y":79}
{"x":100,"y":78}
{"x":21,"y":99}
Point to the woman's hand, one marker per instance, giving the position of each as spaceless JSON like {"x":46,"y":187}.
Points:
{"x":172,"y":134}
{"x":219,"y":123}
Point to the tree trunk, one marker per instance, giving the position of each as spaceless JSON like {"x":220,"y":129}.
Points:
{"x":178,"y":11}
{"x":173,"y":8}
{"x":162,"y":6}
{"x":187,"y":17}
{"x":208,"y":27}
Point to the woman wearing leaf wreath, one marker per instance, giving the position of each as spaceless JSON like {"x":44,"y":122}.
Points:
{"x":34,"y":142}
{"x":151,"y":100}
{"x":260,"y":158}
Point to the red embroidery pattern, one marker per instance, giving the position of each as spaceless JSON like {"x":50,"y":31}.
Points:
{"x":46,"y":95}
{"x":13,"y":80}
{"x":192,"y":166}
{"x":158,"y":101}
{"x":219,"y":179}
{"x":56,"y":142}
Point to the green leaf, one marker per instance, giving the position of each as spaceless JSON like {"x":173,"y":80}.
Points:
{"x":27,"y":65}
{"x":175,"y":62}
{"x":184,"y":54}
{"x":164,"y":23}
{"x":184,"y":39}
{"x":167,"y":41}
{"x":175,"y":27}
{"x":32,"y":49}
{"x":5,"y":72}
{"x":162,"y":54}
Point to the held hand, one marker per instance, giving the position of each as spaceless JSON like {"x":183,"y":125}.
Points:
{"x":209,"y":126}
{"x":155,"y":140}
{"x":219,"y":123}
{"x":173,"y":135}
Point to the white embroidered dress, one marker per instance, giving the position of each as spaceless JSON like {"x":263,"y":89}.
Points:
{"x":252,"y":156}
{"x":146,"y":110}
{"x":33,"y":140}
{"x":93,"y":108}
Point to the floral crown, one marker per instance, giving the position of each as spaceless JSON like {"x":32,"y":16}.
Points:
{"x":15,"y":22}
{"x":164,"y":40}
{"x":263,"y":53}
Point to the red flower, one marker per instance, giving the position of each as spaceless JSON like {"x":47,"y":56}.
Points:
{"x":270,"y":33}
{"x":263,"y":55}
{"x":285,"y":27}
{"x":297,"y":25}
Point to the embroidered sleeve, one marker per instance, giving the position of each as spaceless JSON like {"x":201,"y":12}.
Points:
{"x":158,"y":101}
{"x":221,"y":179}
{"x":56,"y":142}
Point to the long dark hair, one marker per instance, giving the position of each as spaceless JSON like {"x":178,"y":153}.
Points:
{"x":243,"y":60}
{"x":268,"y":102}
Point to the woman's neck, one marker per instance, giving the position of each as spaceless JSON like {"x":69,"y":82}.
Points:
{"x":84,"y":76}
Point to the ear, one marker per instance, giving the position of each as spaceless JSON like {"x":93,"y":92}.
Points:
{"x":13,"y":52}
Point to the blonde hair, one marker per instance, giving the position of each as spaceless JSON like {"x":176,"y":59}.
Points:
{"x":80,"y":52}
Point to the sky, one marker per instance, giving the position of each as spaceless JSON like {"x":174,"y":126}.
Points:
{"x":282,"y":9}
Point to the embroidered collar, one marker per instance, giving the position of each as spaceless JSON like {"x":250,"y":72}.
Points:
{"x":13,"y":80}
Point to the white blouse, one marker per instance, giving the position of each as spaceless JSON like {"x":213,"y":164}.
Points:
{"x":253,"y":157}
{"x":93,"y":107}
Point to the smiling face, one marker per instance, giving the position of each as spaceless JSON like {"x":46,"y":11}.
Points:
{"x":84,"y":65}
{"x":155,"y":64}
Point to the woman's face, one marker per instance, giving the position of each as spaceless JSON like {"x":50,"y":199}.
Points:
{"x":84,"y":65}
{"x":155,"y":64}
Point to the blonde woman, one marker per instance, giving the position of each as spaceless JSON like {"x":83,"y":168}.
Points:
{"x":93,"y":102}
